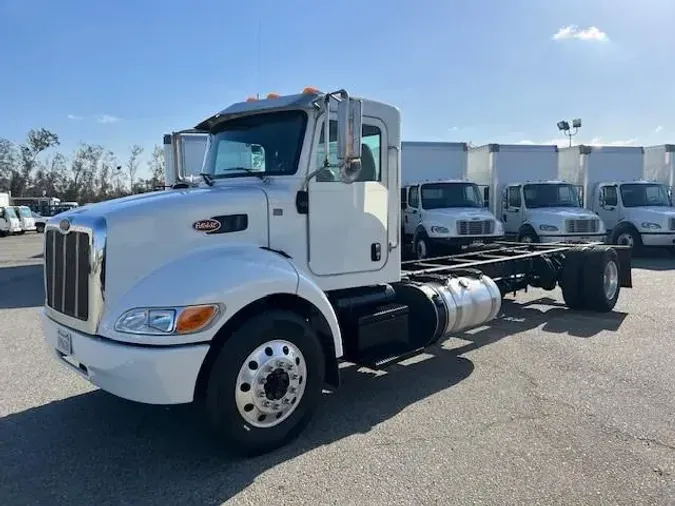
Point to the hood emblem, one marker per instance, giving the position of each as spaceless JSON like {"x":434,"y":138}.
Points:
{"x":208,"y":225}
{"x":64,"y":225}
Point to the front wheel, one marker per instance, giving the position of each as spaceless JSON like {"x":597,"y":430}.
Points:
{"x":265,"y":383}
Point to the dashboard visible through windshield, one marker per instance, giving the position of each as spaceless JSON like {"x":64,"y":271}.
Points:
{"x":446,"y":195}
{"x":261,"y":144}
{"x":642,"y":195}
{"x":551,"y":195}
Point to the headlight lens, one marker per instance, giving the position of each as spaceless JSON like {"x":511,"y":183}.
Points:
{"x":167,"y":321}
{"x":439,"y":230}
{"x":651,"y":225}
{"x":548,"y":228}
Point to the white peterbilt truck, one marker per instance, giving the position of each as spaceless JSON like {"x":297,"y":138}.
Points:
{"x":442,"y":210}
{"x":243,"y":292}
{"x":636,"y":210}
{"x":527,"y":196}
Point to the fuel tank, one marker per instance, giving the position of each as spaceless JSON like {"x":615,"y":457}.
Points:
{"x":442,"y":307}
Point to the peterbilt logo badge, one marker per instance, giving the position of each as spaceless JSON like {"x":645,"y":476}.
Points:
{"x":206,"y":225}
{"x":64,"y":225}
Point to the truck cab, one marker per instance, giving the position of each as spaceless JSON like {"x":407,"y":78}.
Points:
{"x":549,"y":211}
{"x":442,"y":216}
{"x":9,"y":221}
{"x":26,"y":219}
{"x":636,"y":213}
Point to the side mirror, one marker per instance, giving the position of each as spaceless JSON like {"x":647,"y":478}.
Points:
{"x":486,"y":203}
{"x":350,"y":121}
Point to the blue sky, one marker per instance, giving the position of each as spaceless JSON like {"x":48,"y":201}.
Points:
{"x":125,"y":72}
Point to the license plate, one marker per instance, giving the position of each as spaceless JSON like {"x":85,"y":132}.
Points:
{"x":64,"y":342}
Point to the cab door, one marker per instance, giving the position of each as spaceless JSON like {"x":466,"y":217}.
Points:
{"x":348,"y":223}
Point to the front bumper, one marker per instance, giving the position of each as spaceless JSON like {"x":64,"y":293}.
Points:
{"x":466,"y":240}
{"x":658,"y":239}
{"x":147,"y":374}
{"x":573,"y":238}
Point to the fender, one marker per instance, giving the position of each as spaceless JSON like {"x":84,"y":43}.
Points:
{"x":233,"y":275}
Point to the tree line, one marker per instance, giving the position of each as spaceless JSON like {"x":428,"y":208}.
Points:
{"x":92,"y":173}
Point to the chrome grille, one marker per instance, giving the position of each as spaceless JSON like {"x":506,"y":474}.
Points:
{"x":583,"y":226}
{"x":67,"y":269}
{"x":671,"y":223}
{"x":475,"y":227}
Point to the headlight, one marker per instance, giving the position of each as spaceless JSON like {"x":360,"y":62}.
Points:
{"x":439,"y":230}
{"x":167,"y":321}
{"x":548,"y":228}
{"x":648,"y":224}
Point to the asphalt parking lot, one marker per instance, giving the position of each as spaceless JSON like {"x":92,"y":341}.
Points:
{"x":543,"y":406}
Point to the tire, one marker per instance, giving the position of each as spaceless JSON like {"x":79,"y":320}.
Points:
{"x":627,"y":236}
{"x":602,"y":284}
{"x":297,"y":361}
{"x":572,"y":278}
{"x":528,"y":236}
{"x":421,"y":242}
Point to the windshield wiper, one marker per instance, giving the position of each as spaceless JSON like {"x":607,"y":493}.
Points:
{"x":207,"y":178}
{"x":256,"y":173}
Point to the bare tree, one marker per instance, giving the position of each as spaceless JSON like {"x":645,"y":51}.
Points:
{"x":156,"y":166}
{"x":132,"y":164}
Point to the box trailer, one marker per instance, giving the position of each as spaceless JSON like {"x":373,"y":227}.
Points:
{"x":635,"y":209}
{"x":525,"y":193}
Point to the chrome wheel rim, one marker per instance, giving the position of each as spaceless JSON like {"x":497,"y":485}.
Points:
{"x":271,"y":383}
{"x":625,"y":239}
{"x":421,"y":249}
{"x":610,"y":280}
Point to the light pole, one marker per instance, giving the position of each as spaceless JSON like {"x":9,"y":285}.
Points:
{"x":564,"y":127}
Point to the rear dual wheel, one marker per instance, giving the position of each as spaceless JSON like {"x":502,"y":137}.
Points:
{"x":590,"y":278}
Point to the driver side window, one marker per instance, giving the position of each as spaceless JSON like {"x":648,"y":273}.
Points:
{"x":513,"y":197}
{"x":414,"y":199}
{"x":371,"y":147}
{"x":609,"y":196}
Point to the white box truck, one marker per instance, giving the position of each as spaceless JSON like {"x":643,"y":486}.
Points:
{"x":243,"y":292}
{"x":441,"y":210}
{"x":10,"y":223}
{"x":525,"y":193}
{"x":636,"y":211}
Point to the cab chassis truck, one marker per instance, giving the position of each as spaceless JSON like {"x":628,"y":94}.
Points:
{"x":244,"y":292}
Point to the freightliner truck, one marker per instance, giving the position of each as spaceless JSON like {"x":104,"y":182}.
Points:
{"x":527,"y":196}
{"x":244,"y":292}
{"x":636,"y":210}
{"x":442,"y":211}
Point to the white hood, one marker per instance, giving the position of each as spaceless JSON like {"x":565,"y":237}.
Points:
{"x":458,"y":213}
{"x":565,"y":213}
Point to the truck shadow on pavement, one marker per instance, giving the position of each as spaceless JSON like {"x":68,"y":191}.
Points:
{"x":97,"y":448}
{"x":22,"y":286}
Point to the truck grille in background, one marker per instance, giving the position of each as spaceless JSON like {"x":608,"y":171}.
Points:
{"x":475,"y":227}
{"x":67,"y":267}
{"x":671,"y":223}
{"x":582,"y":226}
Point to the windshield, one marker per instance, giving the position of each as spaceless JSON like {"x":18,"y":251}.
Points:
{"x":551,"y":195}
{"x":445,"y":195}
{"x":9,"y":212}
{"x":640,"y":195}
{"x":24,"y":212}
{"x":263,"y":144}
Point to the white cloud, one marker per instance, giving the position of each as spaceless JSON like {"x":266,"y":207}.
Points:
{"x":573,"y":32}
{"x":599,"y":141}
{"x":107,"y":119}
{"x":658,"y":129}
{"x":74,"y":117}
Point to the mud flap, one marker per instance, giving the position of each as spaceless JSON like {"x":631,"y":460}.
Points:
{"x":625,"y":254}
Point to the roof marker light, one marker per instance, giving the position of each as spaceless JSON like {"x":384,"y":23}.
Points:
{"x":273,"y":95}
{"x":309,"y":90}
